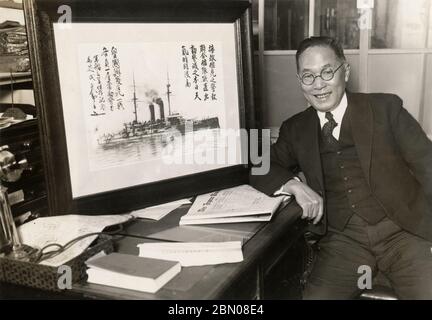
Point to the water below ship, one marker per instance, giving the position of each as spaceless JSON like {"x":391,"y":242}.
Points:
{"x":156,"y":146}
{"x":138,"y":131}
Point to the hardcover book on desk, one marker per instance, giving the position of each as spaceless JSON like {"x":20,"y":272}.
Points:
{"x":132,"y":272}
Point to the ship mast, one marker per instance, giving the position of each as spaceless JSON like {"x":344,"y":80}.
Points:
{"x":135,"y":100}
{"x":168,"y":92}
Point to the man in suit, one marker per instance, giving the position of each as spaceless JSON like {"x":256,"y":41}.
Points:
{"x":368,"y":166}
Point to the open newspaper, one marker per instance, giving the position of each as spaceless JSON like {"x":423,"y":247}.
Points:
{"x":239,"y":204}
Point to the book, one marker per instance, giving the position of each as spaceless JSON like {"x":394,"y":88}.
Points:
{"x":194,"y":253}
{"x":239,"y":204}
{"x":200,"y":221}
{"x":208,"y":233}
{"x":131,"y":272}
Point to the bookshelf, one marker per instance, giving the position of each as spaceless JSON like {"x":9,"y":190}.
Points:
{"x":11,"y":4}
{"x":15,"y":74}
{"x":22,"y":138}
{"x":8,"y":79}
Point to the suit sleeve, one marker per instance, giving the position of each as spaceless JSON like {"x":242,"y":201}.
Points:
{"x":283,"y":164}
{"x":415,"y":147}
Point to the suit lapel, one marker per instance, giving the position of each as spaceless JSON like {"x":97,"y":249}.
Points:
{"x":361,"y":120}
{"x":311,"y":138}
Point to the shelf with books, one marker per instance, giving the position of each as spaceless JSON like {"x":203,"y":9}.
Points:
{"x":17,"y":4}
{"x":15,"y":78}
{"x":14,"y":54}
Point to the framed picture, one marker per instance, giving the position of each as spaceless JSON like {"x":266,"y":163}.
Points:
{"x":140,"y":102}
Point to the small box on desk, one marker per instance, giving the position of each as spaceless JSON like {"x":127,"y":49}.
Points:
{"x":46,"y":277}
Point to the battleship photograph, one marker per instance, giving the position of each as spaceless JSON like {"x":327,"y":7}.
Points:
{"x":147,"y":138}
{"x":146,"y":101}
{"x":163,"y":129}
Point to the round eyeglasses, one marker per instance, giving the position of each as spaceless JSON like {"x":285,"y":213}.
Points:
{"x":326,"y":74}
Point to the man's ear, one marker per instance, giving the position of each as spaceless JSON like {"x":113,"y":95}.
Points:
{"x":347,"y":71}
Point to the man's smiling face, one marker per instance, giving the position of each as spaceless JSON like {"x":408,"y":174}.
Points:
{"x":323,"y":95}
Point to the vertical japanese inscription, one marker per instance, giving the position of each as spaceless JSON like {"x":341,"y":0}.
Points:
{"x":212,"y":65}
{"x":199,"y":69}
{"x":104,"y":75}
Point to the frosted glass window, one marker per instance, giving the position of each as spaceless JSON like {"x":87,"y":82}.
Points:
{"x":430,"y":25}
{"x":400,"y":24}
{"x":255,"y":27}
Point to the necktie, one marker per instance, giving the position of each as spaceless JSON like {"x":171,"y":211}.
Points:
{"x":327,"y":130}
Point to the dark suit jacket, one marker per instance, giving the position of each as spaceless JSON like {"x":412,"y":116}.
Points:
{"x":394,"y":151}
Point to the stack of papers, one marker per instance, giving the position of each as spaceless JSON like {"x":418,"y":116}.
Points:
{"x":238,"y":204}
{"x":131,"y":272}
{"x":62,"y":229}
{"x":194,"y":253}
{"x":159,"y":211}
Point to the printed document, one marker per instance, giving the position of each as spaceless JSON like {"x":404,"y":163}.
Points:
{"x":238,"y":204}
{"x":160,"y":211}
{"x":194,"y":253}
{"x":62,"y":229}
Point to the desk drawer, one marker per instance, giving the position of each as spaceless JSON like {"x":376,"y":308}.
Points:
{"x":28,"y":193}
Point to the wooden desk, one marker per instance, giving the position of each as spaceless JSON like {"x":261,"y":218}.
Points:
{"x":270,"y":270}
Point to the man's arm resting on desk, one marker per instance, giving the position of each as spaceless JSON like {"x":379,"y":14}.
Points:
{"x":311,"y":202}
{"x":283,"y":166}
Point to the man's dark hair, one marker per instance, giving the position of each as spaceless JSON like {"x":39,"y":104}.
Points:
{"x":320,"y":42}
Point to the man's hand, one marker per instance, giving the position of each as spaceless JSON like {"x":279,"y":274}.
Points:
{"x":310,"y":201}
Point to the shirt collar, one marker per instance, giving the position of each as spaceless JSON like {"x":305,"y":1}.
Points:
{"x":338,"y":112}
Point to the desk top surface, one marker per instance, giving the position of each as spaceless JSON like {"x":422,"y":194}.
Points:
{"x":203,"y":282}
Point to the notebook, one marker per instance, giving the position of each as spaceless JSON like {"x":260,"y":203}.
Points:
{"x":131,"y":272}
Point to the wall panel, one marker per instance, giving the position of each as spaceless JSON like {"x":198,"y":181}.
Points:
{"x":398,"y":73}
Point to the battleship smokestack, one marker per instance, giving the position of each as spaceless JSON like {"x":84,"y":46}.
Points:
{"x":161,"y":108}
{"x":152,"y":113}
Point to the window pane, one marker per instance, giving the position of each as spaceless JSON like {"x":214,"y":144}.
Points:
{"x":338,"y":19}
{"x":400,"y":24}
{"x":285,"y":24}
{"x":255,"y":24}
{"x":430,"y":25}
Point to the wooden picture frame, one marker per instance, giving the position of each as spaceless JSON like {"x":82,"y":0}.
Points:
{"x":63,"y":37}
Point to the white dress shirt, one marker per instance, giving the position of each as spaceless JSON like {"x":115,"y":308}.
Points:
{"x":338,"y":115}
